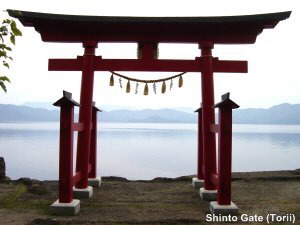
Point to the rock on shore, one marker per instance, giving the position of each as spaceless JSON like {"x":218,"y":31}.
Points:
{"x":3,"y":176}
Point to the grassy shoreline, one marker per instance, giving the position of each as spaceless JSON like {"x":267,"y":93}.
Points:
{"x":157,"y":201}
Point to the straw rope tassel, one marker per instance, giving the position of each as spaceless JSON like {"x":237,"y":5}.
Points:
{"x":146,"y":89}
{"x":180,"y":81}
{"x":163,"y":87}
{"x":128,"y":87}
{"x":111,"y":81}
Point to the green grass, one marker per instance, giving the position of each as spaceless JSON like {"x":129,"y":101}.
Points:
{"x":14,"y":200}
{"x":11,"y":200}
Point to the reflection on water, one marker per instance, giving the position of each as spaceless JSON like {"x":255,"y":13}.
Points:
{"x":145,"y":151}
{"x":282,"y":140}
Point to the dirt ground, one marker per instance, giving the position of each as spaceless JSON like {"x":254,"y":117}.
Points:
{"x":160,"y":201}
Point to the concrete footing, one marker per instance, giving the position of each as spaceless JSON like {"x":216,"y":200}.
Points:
{"x":83,"y":193}
{"x":196,"y":183}
{"x":94,"y":182}
{"x":208,"y":195}
{"x":65,"y":209}
{"x":223,"y":210}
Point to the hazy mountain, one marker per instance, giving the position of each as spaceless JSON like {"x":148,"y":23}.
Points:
{"x":12,"y":113}
{"x":148,"y":115}
{"x":185,"y":109}
{"x":279,"y":114}
{"x":43,"y":105}
{"x":109,"y":108}
{"x":105,"y":107}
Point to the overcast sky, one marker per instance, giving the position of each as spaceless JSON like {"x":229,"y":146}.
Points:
{"x":273,"y":76}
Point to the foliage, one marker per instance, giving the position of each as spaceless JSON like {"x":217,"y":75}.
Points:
{"x":8,"y":33}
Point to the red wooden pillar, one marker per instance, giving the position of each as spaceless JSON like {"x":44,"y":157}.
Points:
{"x":225,"y":149}
{"x":208,"y":115}
{"x":93,"y":150}
{"x":85,"y":113}
{"x":200,"y":175}
{"x":66,"y":105}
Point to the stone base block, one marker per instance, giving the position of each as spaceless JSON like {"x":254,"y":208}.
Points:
{"x":208,"y":195}
{"x":196,"y":183}
{"x":94,"y":182}
{"x":83,"y":193}
{"x":65,"y":209}
{"x":224,"y":210}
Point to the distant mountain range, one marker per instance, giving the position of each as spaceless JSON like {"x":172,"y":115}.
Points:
{"x":279,"y":114}
{"x":107,"y":108}
{"x":14,"y":113}
{"x":148,"y":116}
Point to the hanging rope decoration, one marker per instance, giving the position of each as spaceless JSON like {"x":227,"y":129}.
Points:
{"x":154,"y":88}
{"x":120,"y":81}
{"x":146,"y":88}
{"x":163,"y":87}
{"x":136,"y":87}
{"x":128,"y":87}
{"x":171,"y":84}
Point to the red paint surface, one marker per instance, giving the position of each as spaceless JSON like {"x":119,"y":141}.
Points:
{"x":208,"y":115}
{"x":66,"y":154}
{"x":200,"y":174}
{"x":163,"y":65}
{"x":225,"y":155}
{"x":85,"y":114}
{"x":220,"y":30}
{"x":93,"y":150}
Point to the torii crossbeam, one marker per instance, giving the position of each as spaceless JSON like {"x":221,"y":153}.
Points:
{"x":161,"y":65}
{"x":147,"y":32}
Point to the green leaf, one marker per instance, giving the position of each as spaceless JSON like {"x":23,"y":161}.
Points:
{"x":8,"y":48}
{"x":3,"y":29}
{"x":6,"y":21}
{"x":3,"y":86}
{"x":13,"y":39}
{"x":4,"y":78}
{"x":14,"y":29}
{"x":6,"y":64}
{"x":4,"y":46}
{"x":3,"y":53}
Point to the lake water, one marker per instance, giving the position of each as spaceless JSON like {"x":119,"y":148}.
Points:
{"x":145,"y":151}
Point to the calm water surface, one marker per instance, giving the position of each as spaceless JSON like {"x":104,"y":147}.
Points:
{"x":145,"y":151}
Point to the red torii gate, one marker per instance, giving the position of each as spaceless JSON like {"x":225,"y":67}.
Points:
{"x":148,"y":32}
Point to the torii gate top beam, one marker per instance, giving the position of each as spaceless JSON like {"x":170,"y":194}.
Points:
{"x":219,"y":30}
